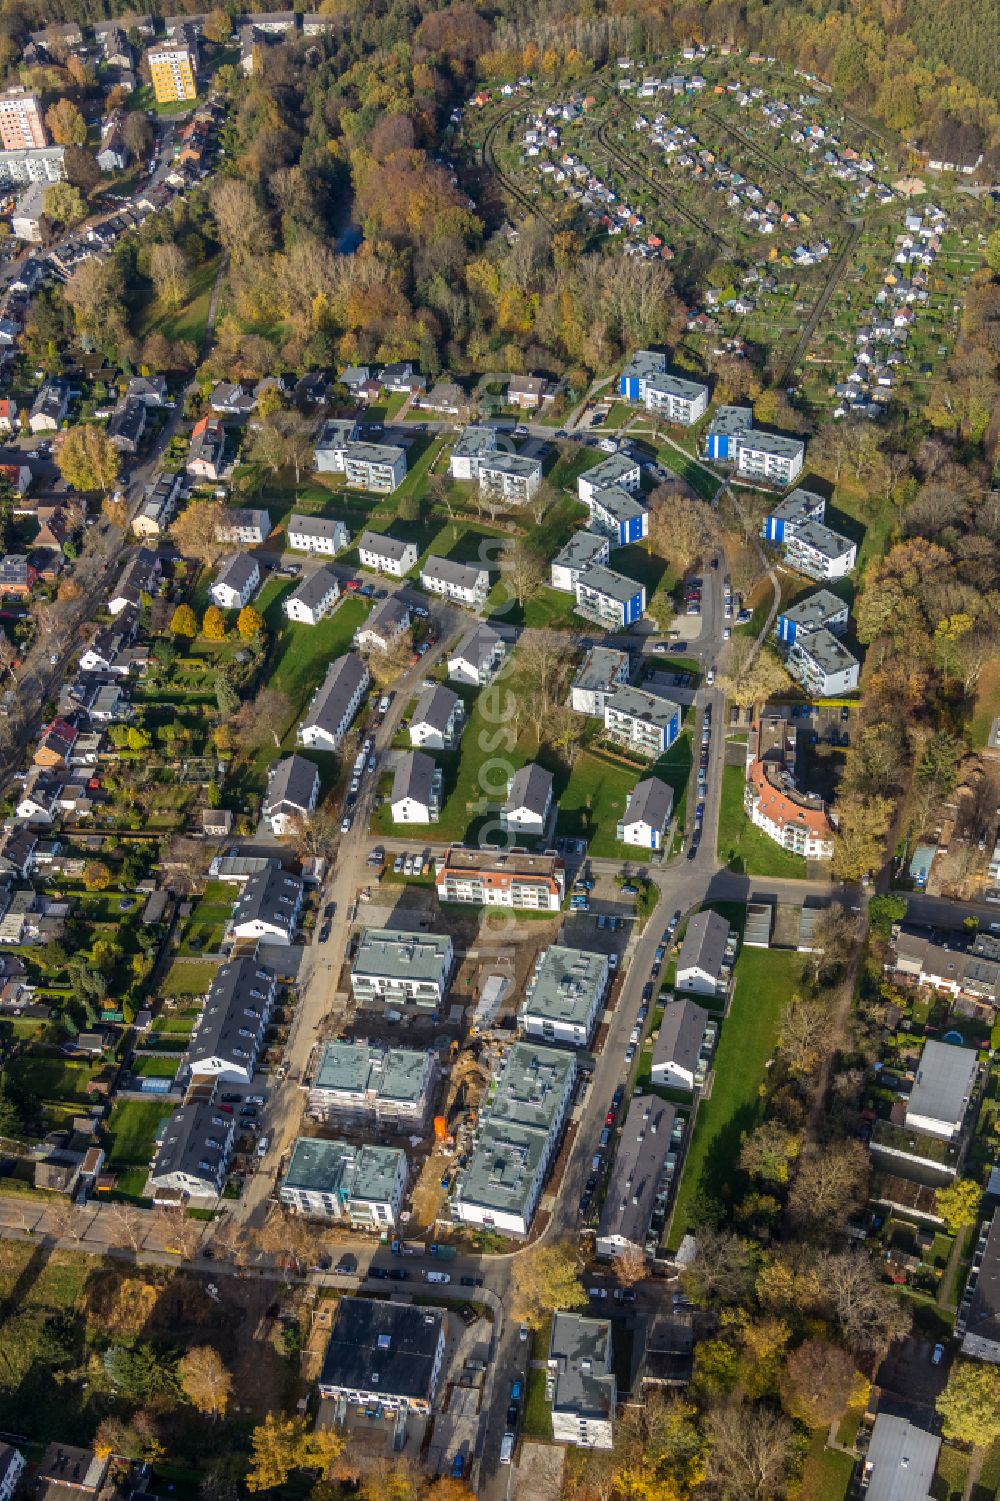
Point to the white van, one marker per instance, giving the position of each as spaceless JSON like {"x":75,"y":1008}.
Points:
{"x":438,"y":1276}
{"x":506,"y":1448}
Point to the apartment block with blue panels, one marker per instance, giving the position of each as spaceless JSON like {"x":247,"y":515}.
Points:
{"x":609,"y":599}
{"x":643,"y":365}
{"x":642,"y":721}
{"x":727,"y":424}
{"x":795,"y":510}
{"x":619,"y":516}
{"x":819,"y":611}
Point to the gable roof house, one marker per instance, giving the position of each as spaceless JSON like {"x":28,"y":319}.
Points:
{"x":437,"y":718}
{"x":978,"y":1321}
{"x":647,"y":814}
{"x":317,"y":534}
{"x":269,"y":906}
{"x":207,"y":448}
{"x":49,"y":408}
{"x":386,"y":554}
{"x":313,"y":599}
{"x":335,"y":703}
{"x":529,"y":801}
{"x":140,"y":576}
{"x":292,"y":793}
{"x":236,"y":582}
{"x":642,"y":1175}
{"x":386,"y":624}
{"x":193,"y":1158}
{"x":704,"y":965}
{"x":416,"y":789}
{"x":247,"y":526}
{"x":478,"y":658}
{"x":127,"y":425}
{"x":678,"y":1045}
{"x":228,"y":1035}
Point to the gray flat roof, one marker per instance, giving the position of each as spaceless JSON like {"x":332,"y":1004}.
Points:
{"x":475,"y":441}
{"x":647,"y":706}
{"x":581,"y":549}
{"x":606,"y":581}
{"x":401,"y":955}
{"x":644,"y":363}
{"x":566,"y":985}
{"x":610,"y":470}
{"x":510,"y":463}
{"x":823,"y":538}
{"x":578,"y":1353}
{"x":530,"y":1088}
{"x":774,"y":443}
{"x":599,"y":666}
{"x":826,"y":650}
{"x":675,"y":385}
{"x":815,"y":610}
{"x":619,"y":503}
{"x":731,"y":420}
{"x":374,"y":453}
{"x":343,"y":1169}
{"x":945,"y":1076}
{"x":357,"y":1067}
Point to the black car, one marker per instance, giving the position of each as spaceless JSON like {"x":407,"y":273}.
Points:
{"x":647,"y":990}
{"x":329,"y":909}
{"x":513,"y":1414}
{"x":471,"y":1281}
{"x":231,"y":1099}
{"x":398,"y":1274}
{"x":584,"y":1203}
{"x":324,"y":933}
{"x":590,"y":1184}
{"x":379,"y":1273}
{"x":347,"y":1265}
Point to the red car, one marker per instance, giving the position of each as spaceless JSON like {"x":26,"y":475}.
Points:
{"x":353,"y":585}
{"x":609,"y":1119}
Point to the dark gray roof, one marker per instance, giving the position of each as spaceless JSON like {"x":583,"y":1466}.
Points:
{"x":435,"y":707}
{"x":578,"y":1354}
{"x":237,"y":571}
{"x":650,"y":802}
{"x":196,"y":1135}
{"x":234,"y":1014}
{"x":128,"y":421}
{"x":529,"y":788}
{"x":704,"y":943}
{"x":384,"y":1347}
{"x":389,"y":616}
{"x":982,"y":1322}
{"x":315,"y":526}
{"x":414,"y":777}
{"x":314,"y":588}
{"x":341,"y":684}
{"x":681,"y":1032}
{"x":635,"y":1178}
{"x":290,"y":785}
{"x":460,"y":575}
{"x":270,"y":896}
{"x":478,"y":646}
{"x":386,"y":547}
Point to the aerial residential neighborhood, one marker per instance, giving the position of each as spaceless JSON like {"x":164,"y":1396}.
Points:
{"x":500,"y":754}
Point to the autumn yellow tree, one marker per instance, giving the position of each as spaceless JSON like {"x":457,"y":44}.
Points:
{"x":280,"y":1445}
{"x":66,"y":124}
{"x":205,"y":1380}
{"x":87,"y":458}
{"x":250,"y":623}
{"x":546,"y":1278}
{"x":213,"y":624}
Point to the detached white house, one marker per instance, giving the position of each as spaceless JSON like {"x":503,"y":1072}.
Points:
{"x":678,"y":1045}
{"x":478,"y":658}
{"x":317,"y":534}
{"x":387,"y":554}
{"x":237,"y":582}
{"x":292,"y":793}
{"x":529,"y":800}
{"x":416,"y":789}
{"x":313,"y":599}
{"x":702,"y":965}
{"x":437,"y":719}
{"x":647,"y":814}
{"x":465,"y":583}
{"x":329,"y":716}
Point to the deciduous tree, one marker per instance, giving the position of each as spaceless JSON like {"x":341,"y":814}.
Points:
{"x":769,"y":1151}
{"x":170,"y":273}
{"x":817,"y":1383}
{"x":63,"y":204}
{"x":750,"y":1451}
{"x":681,"y":528}
{"x":213,"y":624}
{"x":205,"y":1381}
{"x":969,"y":1406}
{"x":249,"y":623}
{"x":280,"y":1445}
{"x":184,"y":622}
{"x":959,"y":1203}
{"x":546,"y":1277}
{"x":88,"y":460}
{"x":522,"y":569}
{"x":630,"y":1266}
{"x":199,"y":531}
{"x":67,"y":126}
{"x":752,"y":676}
{"x":831,"y":1180}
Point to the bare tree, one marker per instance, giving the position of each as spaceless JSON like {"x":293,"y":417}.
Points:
{"x":681,"y":528}
{"x":265,"y":718}
{"x":750,"y":1453}
{"x":128,"y":1226}
{"x":832,"y":1178}
{"x":630,"y":1266}
{"x":175,"y":1231}
{"x":723,"y":1269}
{"x":522,"y":568}
{"x":869,"y":1313}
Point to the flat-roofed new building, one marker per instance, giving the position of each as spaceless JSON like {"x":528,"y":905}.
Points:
{"x":822,"y":665}
{"x":227,"y":1037}
{"x":43,"y":164}
{"x":379,"y":468}
{"x":795,"y":510}
{"x":580,"y":1381}
{"x":564,"y":996}
{"x":474,"y":445}
{"x":678,"y":400}
{"x":642,"y":721}
{"x":609,"y":599}
{"x":939,"y":1099}
{"x":335,"y":438}
{"x":647,"y":814}
{"x":602,"y":672}
{"x":900,"y":1462}
{"x":617,"y":469}
{"x":22,"y":126}
{"x":361,"y":1080}
{"x":621,"y":516}
{"x":644,"y":366}
{"x":642,"y":1178}
{"x":727,"y":424}
{"x":818,"y":551}
{"x":317,"y":534}
{"x":770,"y":457}
{"x":583,"y":550}
{"x":387,"y":554}
{"x":821,"y":610}
{"x":337,"y":1180}
{"x":518,"y":1136}
{"x":389,"y":1356}
{"x":396,"y":968}
{"x":497,"y":878}
{"x":465,"y":583}
{"x":513,"y":476}
{"x":334,"y":706}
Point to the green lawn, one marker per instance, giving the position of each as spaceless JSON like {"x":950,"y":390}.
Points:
{"x":191,"y":978}
{"x":745,"y":848}
{"x":156,"y":1068}
{"x":765,"y":980}
{"x":537,"y":1410}
{"x":133,"y":1125}
{"x":191,"y":319}
{"x":827,"y":1473}
{"x":55,"y":1079}
{"x":620,"y":413}
{"x":303,"y":653}
{"x":593,"y":801}
{"x":702,"y":481}
{"x":546,"y":607}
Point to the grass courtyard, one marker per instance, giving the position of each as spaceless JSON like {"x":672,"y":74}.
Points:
{"x":745,"y":848}
{"x":765,"y":980}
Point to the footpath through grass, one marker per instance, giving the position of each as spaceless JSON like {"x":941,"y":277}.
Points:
{"x":765,"y":980}
{"x":747,"y":849}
